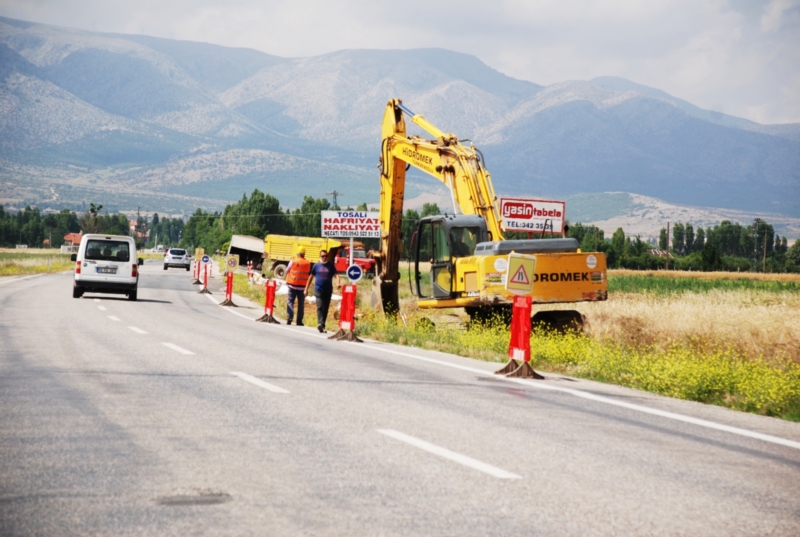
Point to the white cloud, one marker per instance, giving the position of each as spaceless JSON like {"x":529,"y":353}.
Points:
{"x":740,"y":57}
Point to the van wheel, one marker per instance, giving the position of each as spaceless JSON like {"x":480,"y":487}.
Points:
{"x":132,"y":294}
{"x":165,"y":267}
{"x":77,"y":293}
{"x":279,"y":271}
{"x":187,"y":268}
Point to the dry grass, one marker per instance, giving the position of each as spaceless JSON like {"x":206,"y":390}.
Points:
{"x":14,"y":262}
{"x":756,"y":324}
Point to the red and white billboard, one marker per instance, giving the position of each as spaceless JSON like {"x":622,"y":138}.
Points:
{"x":347,"y":224}
{"x":520,"y":214}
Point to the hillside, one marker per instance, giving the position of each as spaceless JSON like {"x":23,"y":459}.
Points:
{"x":172,"y":125}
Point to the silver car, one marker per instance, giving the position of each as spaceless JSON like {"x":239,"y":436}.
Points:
{"x":177,"y":257}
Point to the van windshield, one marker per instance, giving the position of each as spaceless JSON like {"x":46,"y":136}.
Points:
{"x":107,"y":250}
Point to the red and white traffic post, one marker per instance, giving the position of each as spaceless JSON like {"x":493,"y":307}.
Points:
{"x":519,"y":346}
{"x":204,"y":290}
{"x":347,"y":315}
{"x":196,"y":272}
{"x":228,"y":290}
{"x":269,"y":302}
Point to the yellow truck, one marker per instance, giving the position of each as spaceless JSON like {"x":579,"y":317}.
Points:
{"x":280,"y":249}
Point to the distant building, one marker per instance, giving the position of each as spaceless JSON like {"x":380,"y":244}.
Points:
{"x":660,"y":253}
{"x":72,"y":239}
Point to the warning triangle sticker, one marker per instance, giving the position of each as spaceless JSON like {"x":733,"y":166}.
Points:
{"x":520,"y":276}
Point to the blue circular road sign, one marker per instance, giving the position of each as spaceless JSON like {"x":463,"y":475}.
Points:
{"x":206,"y":259}
{"x":354,"y":272}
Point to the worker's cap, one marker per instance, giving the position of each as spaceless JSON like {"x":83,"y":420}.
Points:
{"x":301,"y":249}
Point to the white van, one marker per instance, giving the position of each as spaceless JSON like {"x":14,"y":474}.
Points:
{"x":106,"y":264}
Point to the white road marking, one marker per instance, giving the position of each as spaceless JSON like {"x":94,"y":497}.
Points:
{"x":137,"y":330}
{"x":450,"y":455}
{"x":101,"y":308}
{"x":97,"y":300}
{"x":607,"y":400}
{"x":259,"y":382}
{"x":10,"y":280}
{"x":113,"y":318}
{"x":176,"y":348}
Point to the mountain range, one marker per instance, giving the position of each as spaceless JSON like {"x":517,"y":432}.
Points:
{"x":168,"y":125}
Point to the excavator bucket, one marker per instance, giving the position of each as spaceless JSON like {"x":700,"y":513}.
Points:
{"x":384,"y":297}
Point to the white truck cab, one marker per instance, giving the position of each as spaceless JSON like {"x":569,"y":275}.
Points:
{"x":106,"y":264}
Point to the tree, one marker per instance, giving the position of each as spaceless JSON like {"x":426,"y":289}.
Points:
{"x":678,"y":238}
{"x":794,"y":253}
{"x":662,"y":239}
{"x":90,"y":221}
{"x":429,"y":209}
{"x":711,"y":258}
{"x":699,"y":240}
{"x":689,"y":238}
{"x":307,"y":220}
{"x":618,"y":243}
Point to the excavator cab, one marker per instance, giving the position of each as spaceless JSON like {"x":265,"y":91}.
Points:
{"x":437,"y":243}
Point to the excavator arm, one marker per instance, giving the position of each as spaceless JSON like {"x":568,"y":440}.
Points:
{"x":457,"y":166}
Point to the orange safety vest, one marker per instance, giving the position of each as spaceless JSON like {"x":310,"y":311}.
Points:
{"x":299,"y":273}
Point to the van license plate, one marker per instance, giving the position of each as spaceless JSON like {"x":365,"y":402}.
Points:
{"x":106,"y":270}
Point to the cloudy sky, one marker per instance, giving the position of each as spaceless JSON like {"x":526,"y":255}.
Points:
{"x":740,"y":57}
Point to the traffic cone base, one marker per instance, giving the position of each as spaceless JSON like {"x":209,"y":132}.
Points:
{"x":508,"y":368}
{"x":525,"y":371}
{"x":266,"y":318}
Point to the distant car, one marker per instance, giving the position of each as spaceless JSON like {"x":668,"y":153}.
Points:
{"x":177,"y":257}
{"x":106,"y":264}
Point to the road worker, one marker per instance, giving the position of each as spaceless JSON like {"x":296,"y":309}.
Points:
{"x":322,"y":273}
{"x":297,"y":274}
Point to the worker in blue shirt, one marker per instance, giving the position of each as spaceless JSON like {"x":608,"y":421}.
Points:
{"x":322,"y":274}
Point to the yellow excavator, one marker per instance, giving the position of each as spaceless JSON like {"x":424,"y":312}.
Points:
{"x":460,"y":259}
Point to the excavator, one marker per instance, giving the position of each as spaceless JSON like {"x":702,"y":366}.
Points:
{"x":460,"y":260}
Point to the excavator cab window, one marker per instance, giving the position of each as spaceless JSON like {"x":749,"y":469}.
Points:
{"x":433,"y":267}
{"x":463,"y":240}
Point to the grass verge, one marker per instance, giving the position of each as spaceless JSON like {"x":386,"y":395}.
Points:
{"x":15,"y":264}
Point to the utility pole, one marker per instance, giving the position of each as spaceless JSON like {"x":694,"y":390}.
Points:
{"x":756,"y":223}
{"x":765,"y":253}
{"x":334,"y":194}
{"x":667,"y":267}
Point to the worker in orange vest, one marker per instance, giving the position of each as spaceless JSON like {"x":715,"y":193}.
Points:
{"x":297,"y":274}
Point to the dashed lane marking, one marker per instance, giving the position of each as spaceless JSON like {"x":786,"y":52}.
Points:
{"x":177,"y":349}
{"x":258,"y":382}
{"x":113,"y":318}
{"x":101,"y":308}
{"x":137,"y":330}
{"x":450,"y":455}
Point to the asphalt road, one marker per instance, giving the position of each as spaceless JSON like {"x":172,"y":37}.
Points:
{"x":175,"y":416}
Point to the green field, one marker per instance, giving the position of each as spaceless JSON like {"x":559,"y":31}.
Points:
{"x":659,"y":285}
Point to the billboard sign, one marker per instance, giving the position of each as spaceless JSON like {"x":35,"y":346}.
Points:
{"x":351,"y":224}
{"x":520,"y":214}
